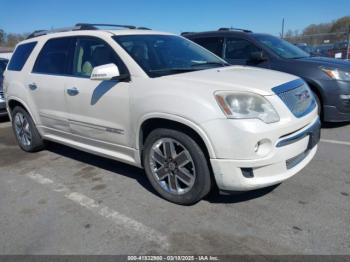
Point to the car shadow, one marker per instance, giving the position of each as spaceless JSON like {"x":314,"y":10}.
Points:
{"x":4,"y":119}
{"x":238,"y":197}
{"x":118,"y":168}
{"x":101,"y":90}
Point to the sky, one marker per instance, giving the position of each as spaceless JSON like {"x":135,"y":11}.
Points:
{"x":176,"y":16}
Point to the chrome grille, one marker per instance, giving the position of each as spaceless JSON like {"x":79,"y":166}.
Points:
{"x":297,"y":96}
{"x":2,"y":95}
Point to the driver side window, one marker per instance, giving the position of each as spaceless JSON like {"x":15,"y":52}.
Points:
{"x":91,"y":52}
{"x":239,"y":50}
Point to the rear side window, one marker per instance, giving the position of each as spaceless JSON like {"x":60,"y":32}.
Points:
{"x":20,"y":56}
{"x":213,"y":44}
{"x":55,"y":57}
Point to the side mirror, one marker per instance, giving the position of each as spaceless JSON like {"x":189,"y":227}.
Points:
{"x":105,"y":72}
{"x":258,"y":56}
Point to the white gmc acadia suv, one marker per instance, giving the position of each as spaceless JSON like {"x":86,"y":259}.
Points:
{"x":159,"y":101}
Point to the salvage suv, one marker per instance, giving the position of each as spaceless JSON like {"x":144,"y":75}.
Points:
{"x":163,"y":103}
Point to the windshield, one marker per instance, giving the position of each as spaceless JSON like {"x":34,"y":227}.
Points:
{"x":281,"y":47}
{"x":160,"y":55}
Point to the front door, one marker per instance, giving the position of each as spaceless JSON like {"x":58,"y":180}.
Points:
{"x":238,"y":52}
{"x":98,"y":110}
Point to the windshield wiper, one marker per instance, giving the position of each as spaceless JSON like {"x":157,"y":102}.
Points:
{"x":199,"y":63}
{"x":299,"y":57}
{"x":185,"y":69}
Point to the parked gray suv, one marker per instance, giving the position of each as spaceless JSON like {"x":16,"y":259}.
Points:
{"x":328,"y":78}
{"x":3,"y":63}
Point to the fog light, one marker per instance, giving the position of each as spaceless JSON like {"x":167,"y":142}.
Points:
{"x":263,"y":147}
{"x":256,"y":148}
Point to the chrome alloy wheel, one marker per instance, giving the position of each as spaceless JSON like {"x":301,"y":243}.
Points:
{"x":172,"y":166}
{"x":22,"y":128}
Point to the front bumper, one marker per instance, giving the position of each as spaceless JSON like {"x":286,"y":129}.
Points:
{"x":335,"y":109}
{"x":333,"y":114}
{"x":291,"y":153}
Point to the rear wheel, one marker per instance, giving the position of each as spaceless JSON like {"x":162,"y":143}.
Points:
{"x":27,"y":135}
{"x":176,"y":166}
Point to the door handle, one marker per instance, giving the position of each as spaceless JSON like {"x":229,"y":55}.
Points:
{"x":32,"y":86}
{"x":72,"y":91}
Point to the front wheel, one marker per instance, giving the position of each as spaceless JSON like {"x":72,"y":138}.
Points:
{"x":176,"y":166}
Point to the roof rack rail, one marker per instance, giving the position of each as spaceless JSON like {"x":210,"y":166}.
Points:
{"x":186,"y":33}
{"x":87,"y":26}
{"x":57,"y":30}
{"x":234,"y":29}
{"x":143,"y":28}
{"x":82,"y":26}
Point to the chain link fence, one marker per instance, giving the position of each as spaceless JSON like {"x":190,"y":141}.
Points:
{"x":334,"y":45}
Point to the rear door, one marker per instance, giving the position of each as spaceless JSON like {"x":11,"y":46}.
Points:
{"x":47,"y":81}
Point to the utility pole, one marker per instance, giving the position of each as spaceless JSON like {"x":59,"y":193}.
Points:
{"x":282,"y":35}
{"x":348,"y":51}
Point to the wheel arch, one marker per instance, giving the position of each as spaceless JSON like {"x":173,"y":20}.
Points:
{"x":12,"y":102}
{"x":152,"y":122}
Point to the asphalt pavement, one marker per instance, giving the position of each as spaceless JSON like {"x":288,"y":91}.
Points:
{"x":64,"y":201}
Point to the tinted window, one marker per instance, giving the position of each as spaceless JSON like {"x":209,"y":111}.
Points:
{"x":281,"y":47}
{"x":20,"y":56}
{"x":160,"y":55}
{"x":54,"y":57}
{"x":91,"y":52}
{"x":3,"y":64}
{"x":239,"y":49}
{"x":213,"y":44}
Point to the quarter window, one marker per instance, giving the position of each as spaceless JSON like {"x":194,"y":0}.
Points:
{"x":91,"y":52}
{"x":54,"y":57}
{"x":20,"y":56}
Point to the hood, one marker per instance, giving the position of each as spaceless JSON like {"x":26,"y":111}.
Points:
{"x":327,"y":62}
{"x":237,"y":78}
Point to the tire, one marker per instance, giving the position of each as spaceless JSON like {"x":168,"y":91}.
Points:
{"x":180,"y":174}
{"x":27,"y":135}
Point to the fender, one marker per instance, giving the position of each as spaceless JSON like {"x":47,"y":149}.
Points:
{"x":180,"y":120}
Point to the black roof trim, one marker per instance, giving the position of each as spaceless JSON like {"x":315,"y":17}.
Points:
{"x":222,"y":29}
{"x":234,"y":29}
{"x":87,"y":26}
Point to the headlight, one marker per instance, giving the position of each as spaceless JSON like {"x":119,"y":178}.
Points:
{"x":246,"y":105}
{"x":336,"y":74}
